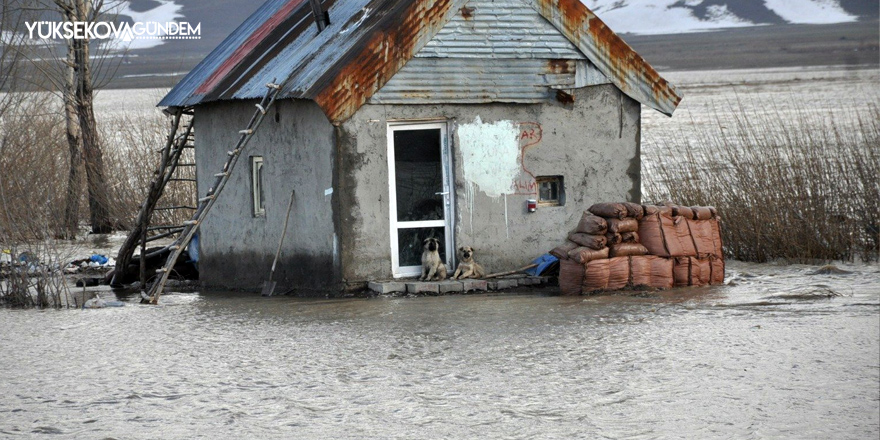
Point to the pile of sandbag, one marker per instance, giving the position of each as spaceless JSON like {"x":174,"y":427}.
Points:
{"x":619,"y":245}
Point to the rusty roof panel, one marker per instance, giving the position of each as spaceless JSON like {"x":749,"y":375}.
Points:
{"x":368,"y":41}
{"x":393,"y":34}
{"x":611,"y":55}
{"x":365,"y":44}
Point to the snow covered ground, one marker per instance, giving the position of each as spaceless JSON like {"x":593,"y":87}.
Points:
{"x":649,"y":17}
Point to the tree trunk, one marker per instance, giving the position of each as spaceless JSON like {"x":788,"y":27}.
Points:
{"x":99,"y":212}
{"x":74,"y":143}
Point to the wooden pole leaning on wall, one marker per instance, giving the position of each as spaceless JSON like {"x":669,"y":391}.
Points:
{"x":190,"y":227}
{"x":510,"y":272}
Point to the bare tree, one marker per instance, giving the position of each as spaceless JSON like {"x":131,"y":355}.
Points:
{"x":73,"y":78}
{"x":99,"y":212}
{"x":74,"y":137}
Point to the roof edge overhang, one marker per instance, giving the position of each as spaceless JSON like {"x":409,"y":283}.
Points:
{"x":393,"y":41}
{"x":610,"y":54}
{"x":390,"y":39}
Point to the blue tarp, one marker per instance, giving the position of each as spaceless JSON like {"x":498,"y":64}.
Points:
{"x":543,"y":262}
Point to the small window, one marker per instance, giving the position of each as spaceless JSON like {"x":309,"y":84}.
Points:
{"x":551,"y":192}
{"x":257,"y":186}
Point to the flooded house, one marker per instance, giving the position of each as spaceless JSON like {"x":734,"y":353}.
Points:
{"x":490,"y":124}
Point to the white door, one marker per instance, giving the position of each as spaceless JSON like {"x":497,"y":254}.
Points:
{"x":420,"y":194}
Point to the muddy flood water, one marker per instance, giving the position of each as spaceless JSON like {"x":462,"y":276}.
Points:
{"x":779,"y":352}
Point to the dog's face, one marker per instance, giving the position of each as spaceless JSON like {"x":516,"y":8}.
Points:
{"x":467,"y":253}
{"x":431,"y":244}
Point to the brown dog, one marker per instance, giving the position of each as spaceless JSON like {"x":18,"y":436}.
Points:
{"x":468,"y":268}
{"x":433,"y":268}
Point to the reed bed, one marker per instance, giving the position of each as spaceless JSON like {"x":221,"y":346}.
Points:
{"x":800,"y":185}
{"x":34,"y":164}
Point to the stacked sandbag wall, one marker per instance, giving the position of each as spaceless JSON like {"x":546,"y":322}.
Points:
{"x":620,"y":245}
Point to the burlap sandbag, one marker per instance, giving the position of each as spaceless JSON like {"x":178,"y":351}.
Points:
{"x":716,"y":265}
{"x":612,"y":239}
{"x":651,"y":234}
{"x":626,"y":250}
{"x":640,"y":270}
{"x":661,"y":272}
{"x":625,"y":237}
{"x":629,"y":237}
{"x":618,"y":273}
{"x":691,"y":271}
{"x":662,"y":210}
{"x":678,"y":238}
{"x":634,"y":210}
{"x":608,"y":210}
{"x":651,"y":271}
{"x":705,"y":243}
{"x":716,"y":235}
{"x":666,"y":237}
{"x":701,"y":271}
{"x":592,"y":224}
{"x":562,"y":250}
{"x":619,"y":226}
{"x":583,"y":254}
{"x":591,"y":241}
{"x":683,"y":211}
{"x":702,"y":212}
{"x":681,"y":271}
{"x":596,"y":275}
{"x":571,"y":277}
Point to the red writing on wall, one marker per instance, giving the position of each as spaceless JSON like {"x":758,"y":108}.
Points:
{"x":530,"y":135}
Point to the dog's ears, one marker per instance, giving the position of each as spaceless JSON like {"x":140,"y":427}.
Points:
{"x":461,"y":248}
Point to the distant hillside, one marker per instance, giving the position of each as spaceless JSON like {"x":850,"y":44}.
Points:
{"x":680,"y":16}
{"x":788,"y":32}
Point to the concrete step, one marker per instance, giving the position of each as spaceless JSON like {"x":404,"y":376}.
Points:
{"x":453,"y":286}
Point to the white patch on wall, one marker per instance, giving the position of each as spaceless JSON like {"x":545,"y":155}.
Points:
{"x":490,"y":155}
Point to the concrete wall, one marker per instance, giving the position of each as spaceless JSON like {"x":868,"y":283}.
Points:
{"x":593,"y":143}
{"x":298,"y":153}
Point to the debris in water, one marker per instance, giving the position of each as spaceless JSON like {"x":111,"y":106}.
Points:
{"x":830,"y":269}
{"x":812,"y":293}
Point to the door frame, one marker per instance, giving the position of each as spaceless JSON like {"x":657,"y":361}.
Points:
{"x":448,"y":221}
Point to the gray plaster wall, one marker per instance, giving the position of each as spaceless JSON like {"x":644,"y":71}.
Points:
{"x":593,"y":143}
{"x":237,"y":248}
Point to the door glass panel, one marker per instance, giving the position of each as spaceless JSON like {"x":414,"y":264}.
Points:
{"x":418,"y":175}
{"x":410,"y":242}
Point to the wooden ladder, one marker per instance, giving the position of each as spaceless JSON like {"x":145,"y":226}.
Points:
{"x":179,"y":139}
{"x":190,"y":227}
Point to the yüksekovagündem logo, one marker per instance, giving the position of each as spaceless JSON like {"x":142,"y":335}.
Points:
{"x":102,"y":30}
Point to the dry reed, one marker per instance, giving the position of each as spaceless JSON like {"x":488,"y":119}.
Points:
{"x":34,"y":161}
{"x":801,"y":188}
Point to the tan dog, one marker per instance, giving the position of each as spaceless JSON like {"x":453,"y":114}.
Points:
{"x":468,"y":268}
{"x":433,"y":268}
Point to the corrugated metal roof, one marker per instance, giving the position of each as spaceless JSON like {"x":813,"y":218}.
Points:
{"x":490,"y":51}
{"x":366,"y":43}
{"x":501,"y":29}
{"x":611,"y":55}
{"x":369,"y":41}
{"x":468,"y":80}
